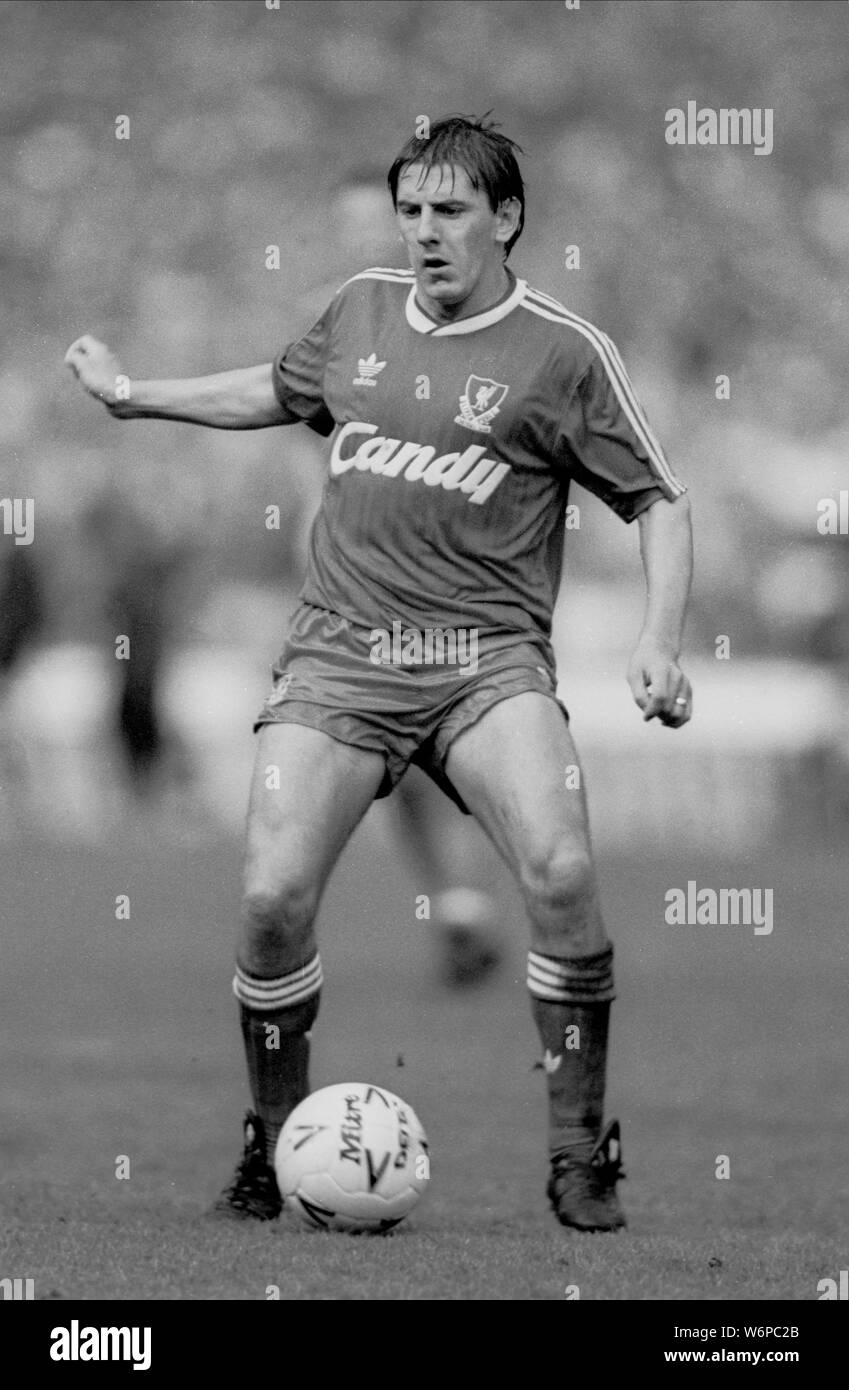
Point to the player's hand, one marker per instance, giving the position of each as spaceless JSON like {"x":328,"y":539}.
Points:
{"x":660,"y":687}
{"x":98,"y":371}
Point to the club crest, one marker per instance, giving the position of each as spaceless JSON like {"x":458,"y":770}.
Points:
{"x":480,"y":403}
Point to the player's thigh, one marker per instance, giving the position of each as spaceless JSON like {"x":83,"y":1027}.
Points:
{"x":517,"y":770}
{"x":308,"y":793}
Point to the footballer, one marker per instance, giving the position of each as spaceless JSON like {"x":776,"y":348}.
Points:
{"x":461,"y":404}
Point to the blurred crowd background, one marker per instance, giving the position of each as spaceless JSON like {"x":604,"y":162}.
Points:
{"x":252,"y":127}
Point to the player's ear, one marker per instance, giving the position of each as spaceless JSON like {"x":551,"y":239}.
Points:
{"x":509,"y":213}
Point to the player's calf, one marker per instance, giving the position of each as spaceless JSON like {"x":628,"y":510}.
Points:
{"x":277,"y":983}
{"x":276,"y":925}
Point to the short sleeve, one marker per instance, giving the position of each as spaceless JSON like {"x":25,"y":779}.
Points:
{"x":298,"y":376}
{"x":606,"y":443}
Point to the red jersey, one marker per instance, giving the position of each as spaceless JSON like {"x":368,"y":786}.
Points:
{"x":453,"y":451}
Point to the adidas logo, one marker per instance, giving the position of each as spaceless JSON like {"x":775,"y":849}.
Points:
{"x":280,"y":691}
{"x":369,"y":369}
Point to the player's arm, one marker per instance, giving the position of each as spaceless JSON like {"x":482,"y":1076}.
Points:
{"x":613,"y":452}
{"x":243,"y":399}
{"x":657,"y":682}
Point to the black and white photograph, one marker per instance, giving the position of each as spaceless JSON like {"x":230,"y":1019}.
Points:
{"x":424,"y":663}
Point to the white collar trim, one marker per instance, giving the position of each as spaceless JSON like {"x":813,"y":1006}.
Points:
{"x":418,"y":319}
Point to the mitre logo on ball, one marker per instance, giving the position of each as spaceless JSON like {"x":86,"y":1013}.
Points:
{"x":352,"y":1157}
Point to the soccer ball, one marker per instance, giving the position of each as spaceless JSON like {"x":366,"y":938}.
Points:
{"x":352,"y":1157}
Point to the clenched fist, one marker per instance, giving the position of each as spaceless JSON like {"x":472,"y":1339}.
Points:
{"x":98,"y":370}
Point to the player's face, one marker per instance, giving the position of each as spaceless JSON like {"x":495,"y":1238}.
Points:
{"x":454,"y":239}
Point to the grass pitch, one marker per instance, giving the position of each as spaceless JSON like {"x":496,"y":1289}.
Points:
{"x":121,"y":1042}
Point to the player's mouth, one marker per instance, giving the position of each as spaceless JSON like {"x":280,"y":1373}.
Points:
{"x":434,"y":264}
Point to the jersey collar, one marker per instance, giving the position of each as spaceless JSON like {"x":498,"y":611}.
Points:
{"x":419,"y":320}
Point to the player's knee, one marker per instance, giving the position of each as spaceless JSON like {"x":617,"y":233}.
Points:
{"x":277,"y":915}
{"x":559,"y":881}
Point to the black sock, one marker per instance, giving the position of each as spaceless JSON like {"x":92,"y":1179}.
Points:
{"x":570,"y":1000}
{"x":276,"y":1016}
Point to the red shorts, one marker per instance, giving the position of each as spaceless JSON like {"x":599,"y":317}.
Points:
{"x":409,"y":710}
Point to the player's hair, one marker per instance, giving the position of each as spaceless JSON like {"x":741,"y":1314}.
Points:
{"x":472,"y":143}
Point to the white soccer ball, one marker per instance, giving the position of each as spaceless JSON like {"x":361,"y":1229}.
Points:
{"x":352,"y":1157}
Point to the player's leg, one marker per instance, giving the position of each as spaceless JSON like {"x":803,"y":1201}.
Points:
{"x":462,"y":920}
{"x":517,"y":770}
{"x":309,"y":791}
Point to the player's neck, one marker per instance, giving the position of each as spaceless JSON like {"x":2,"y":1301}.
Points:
{"x":490,"y":290}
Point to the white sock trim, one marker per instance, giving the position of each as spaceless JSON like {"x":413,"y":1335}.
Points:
{"x":284,"y":992}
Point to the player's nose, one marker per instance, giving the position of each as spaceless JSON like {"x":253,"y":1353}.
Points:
{"x":426,"y":227}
